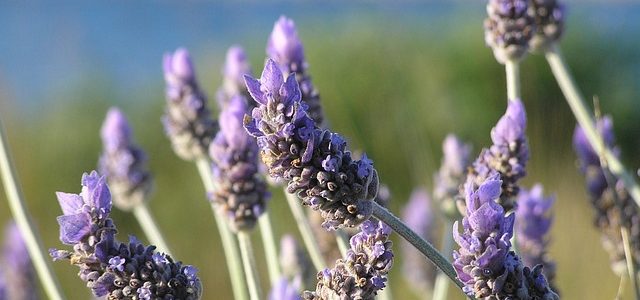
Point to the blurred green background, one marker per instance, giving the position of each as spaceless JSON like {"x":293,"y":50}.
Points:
{"x":395,"y":78}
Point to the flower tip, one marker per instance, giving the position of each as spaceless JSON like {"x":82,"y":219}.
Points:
{"x":179,"y":63}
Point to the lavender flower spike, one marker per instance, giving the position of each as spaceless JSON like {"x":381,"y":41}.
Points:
{"x":112,"y":269}
{"x":484,"y":262}
{"x":242,"y":193}
{"x":315,"y":163}
{"x":235,"y":67}
{"x":533,"y":222}
{"x":19,"y":275}
{"x":508,"y":155}
{"x":613,"y":206}
{"x":285,"y":48}
{"x":508,"y":29}
{"x":363,"y":272}
{"x":285,"y":290}
{"x":549,"y":16}
{"x":418,"y":215}
{"x":187,"y":121}
{"x":294,"y":261}
{"x":123,"y":163}
{"x":451,"y":175}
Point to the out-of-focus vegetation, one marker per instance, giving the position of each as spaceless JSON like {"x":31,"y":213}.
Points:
{"x":391,"y":92}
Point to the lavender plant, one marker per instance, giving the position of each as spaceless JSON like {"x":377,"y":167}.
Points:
{"x":419,"y":216}
{"x":242,"y":193}
{"x":123,"y":163}
{"x":17,"y":273}
{"x":614,"y":208}
{"x":314,"y":162}
{"x":508,"y":29}
{"x":236,"y":65}
{"x":533,"y":222}
{"x":508,"y":155}
{"x":484,"y":263}
{"x":187,"y":119}
{"x":451,"y":175}
{"x":285,"y":48}
{"x":111,"y":268}
{"x":549,"y":17}
{"x":294,"y":261}
{"x":363,"y":272}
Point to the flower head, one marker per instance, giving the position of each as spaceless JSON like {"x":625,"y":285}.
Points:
{"x":451,"y":175}
{"x":187,"y":121}
{"x":533,"y":222}
{"x":242,"y":193}
{"x":418,"y":215}
{"x":236,"y":65}
{"x":122,"y":162}
{"x":613,"y":206}
{"x":508,"y":155}
{"x":508,"y":29}
{"x":285,"y":48}
{"x":296,"y":150}
{"x":484,"y":262}
{"x":549,"y":16}
{"x":363,"y":272}
{"x":17,"y":268}
{"x":110,"y":268}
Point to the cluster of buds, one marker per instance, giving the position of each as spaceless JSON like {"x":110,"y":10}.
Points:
{"x":236,"y":65}
{"x":452,"y":174}
{"x":315,"y":163}
{"x":110,"y":268}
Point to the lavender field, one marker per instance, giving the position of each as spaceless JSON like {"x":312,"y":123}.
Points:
{"x":394,"y":80}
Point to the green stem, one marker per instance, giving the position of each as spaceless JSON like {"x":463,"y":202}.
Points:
{"x":229,"y":245}
{"x":631,"y":264}
{"x":584,"y":117}
{"x":150,"y":227}
{"x":24,"y":223}
{"x":249,"y":263}
{"x":270,"y":249}
{"x":308,"y":237}
{"x":414,"y":239}
{"x":441,"y":288}
{"x":512,"y":69}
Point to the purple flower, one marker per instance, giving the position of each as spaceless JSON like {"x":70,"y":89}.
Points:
{"x":187,"y":120}
{"x":533,"y":221}
{"x":613,"y":206}
{"x":123,"y":163}
{"x":418,"y":215}
{"x":235,"y":67}
{"x":549,"y":16}
{"x":508,"y":155}
{"x":508,"y":29}
{"x":17,"y":268}
{"x":294,"y":148}
{"x":363,"y":272}
{"x":451,"y":175}
{"x":285,"y":290}
{"x":242,"y":193}
{"x":484,"y":262}
{"x":110,"y":268}
{"x":294,"y":260}
{"x":285,"y":48}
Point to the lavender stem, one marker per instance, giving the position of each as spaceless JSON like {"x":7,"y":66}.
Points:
{"x":229,"y":245}
{"x":423,"y":246}
{"x":441,"y":286}
{"x":308,"y":237}
{"x":23,"y":220}
{"x":512,"y":69}
{"x":585,"y":120}
{"x":270,"y":249}
{"x":249,"y":263}
{"x":631,"y":264}
{"x":150,"y":227}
